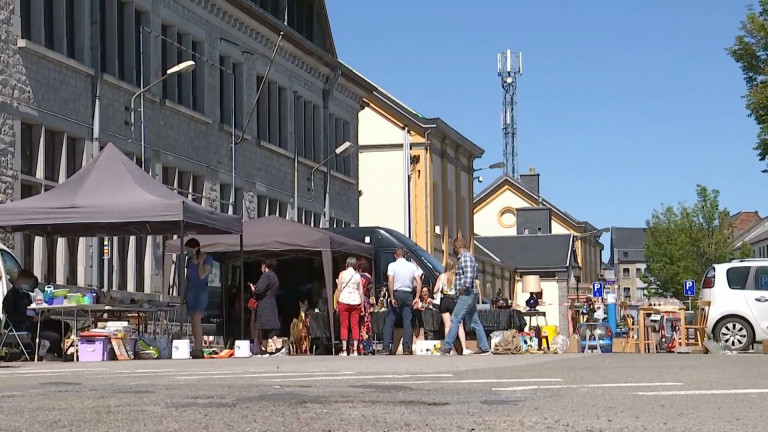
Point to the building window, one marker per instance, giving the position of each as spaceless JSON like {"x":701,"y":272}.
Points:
{"x":140,"y":20}
{"x":168,"y":60}
{"x":625,"y":254}
{"x":231,"y":91}
{"x":48,"y":23}
{"x":225,"y":195}
{"x":625,"y":272}
{"x":627,"y":293}
{"x":25,"y":11}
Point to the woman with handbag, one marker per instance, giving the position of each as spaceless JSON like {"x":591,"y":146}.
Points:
{"x":265,"y":304}
{"x":446,"y":288}
{"x":349,"y":290}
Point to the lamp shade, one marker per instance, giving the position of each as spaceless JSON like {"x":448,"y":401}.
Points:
{"x":531,"y":284}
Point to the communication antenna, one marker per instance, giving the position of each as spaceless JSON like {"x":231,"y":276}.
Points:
{"x":510,"y":67}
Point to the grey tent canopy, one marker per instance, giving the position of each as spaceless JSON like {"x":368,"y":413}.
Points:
{"x":112,"y":196}
{"x":276,"y":237}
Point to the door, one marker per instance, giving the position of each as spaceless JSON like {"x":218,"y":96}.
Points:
{"x":756,"y":296}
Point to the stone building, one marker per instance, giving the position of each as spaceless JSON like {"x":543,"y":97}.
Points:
{"x":69,"y":69}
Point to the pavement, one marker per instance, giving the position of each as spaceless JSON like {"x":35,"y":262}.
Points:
{"x":569,"y":392}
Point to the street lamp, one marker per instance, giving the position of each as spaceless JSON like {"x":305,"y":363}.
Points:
{"x":497,"y":165}
{"x":341,"y":150}
{"x":478,"y":178}
{"x":184,"y":67}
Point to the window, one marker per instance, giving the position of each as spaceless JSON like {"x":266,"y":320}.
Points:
{"x":625,"y":254}
{"x":48,"y":23}
{"x":71,"y":32}
{"x":298,"y":123}
{"x":237,"y":69}
{"x":30,"y":149}
{"x":54,"y":142}
{"x":198,"y":78}
{"x":737,"y":277}
{"x":761,"y":279}
{"x":139,"y":21}
{"x":538,"y":230}
{"x":25,"y":11}
{"x":121,"y":41}
{"x":103,"y":35}
{"x":261,"y":206}
{"x":627,"y":293}
{"x":625,"y":272}
{"x":168,"y":60}
{"x":525,"y":231}
{"x":225,"y":195}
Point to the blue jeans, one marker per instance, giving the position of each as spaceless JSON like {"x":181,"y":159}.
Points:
{"x":466,"y":310}
{"x":404,"y":310}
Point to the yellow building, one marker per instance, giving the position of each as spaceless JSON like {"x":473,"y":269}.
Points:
{"x":416,"y":176}
{"x":510,"y":207}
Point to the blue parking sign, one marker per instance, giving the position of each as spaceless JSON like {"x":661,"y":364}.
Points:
{"x":689,"y":288}
{"x":597,"y":289}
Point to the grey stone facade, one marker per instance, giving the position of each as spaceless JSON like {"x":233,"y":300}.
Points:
{"x":44,"y":87}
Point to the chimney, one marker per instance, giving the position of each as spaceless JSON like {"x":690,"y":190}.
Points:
{"x":531,"y":181}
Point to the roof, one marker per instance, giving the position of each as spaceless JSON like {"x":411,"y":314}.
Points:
{"x":530,"y":252}
{"x":112,"y":196}
{"x":629,"y":240}
{"x":737,"y":214}
{"x":533,"y":196}
{"x":753,"y":233}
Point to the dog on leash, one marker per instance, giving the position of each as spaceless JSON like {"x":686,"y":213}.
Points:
{"x":299,"y":340}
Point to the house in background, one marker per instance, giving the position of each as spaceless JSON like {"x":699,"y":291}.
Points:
{"x":628,"y":262}
{"x":515,"y":207}
{"x":744,"y":221}
{"x":550,"y":256}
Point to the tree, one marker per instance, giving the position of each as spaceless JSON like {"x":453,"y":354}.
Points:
{"x":750,"y":51}
{"x":682,"y":243}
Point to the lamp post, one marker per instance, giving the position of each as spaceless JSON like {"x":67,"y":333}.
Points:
{"x":184,"y":67}
{"x":497,"y":165}
{"x":342,"y":150}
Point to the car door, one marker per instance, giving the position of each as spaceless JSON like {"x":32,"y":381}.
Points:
{"x":756,"y":295}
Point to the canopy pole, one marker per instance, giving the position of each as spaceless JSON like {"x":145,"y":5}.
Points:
{"x":180,"y":285}
{"x":328,"y":271}
{"x":242,"y":290}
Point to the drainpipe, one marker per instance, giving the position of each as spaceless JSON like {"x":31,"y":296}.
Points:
{"x":428,"y":191}
{"x":407,"y":182}
{"x":96,"y":91}
{"x":327,"y":94}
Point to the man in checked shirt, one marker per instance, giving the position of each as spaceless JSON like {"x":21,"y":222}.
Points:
{"x":466,"y":305}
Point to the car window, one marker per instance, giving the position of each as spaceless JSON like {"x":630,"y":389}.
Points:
{"x":737,"y":277}
{"x":386,"y":258}
{"x":11,"y":266}
{"x":761,"y":279}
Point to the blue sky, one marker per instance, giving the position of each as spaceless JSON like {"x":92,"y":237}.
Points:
{"x":623,"y":105}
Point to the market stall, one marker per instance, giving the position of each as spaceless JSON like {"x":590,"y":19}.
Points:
{"x":112,"y":196}
{"x":276,"y":237}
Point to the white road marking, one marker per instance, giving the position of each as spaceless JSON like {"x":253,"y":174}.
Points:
{"x":472,"y":381}
{"x":28,"y":371}
{"x":363,"y":377}
{"x":702,"y":392}
{"x":266,"y":375}
{"x":586,"y":386}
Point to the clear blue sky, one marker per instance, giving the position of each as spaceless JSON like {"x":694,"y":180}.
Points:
{"x":623,"y":105}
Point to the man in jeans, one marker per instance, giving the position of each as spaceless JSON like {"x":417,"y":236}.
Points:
{"x":466,"y":304}
{"x":402,"y":275}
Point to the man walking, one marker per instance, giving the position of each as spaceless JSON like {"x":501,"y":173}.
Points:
{"x":402,"y":276}
{"x":466,"y":305}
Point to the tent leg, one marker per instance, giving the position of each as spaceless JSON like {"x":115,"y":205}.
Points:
{"x":328,"y":271}
{"x":180,"y":285}
{"x":242,"y":290}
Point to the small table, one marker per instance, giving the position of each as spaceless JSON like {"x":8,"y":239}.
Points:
{"x":535,"y":314}
{"x":644,"y":310}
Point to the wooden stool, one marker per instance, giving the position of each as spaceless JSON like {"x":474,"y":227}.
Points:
{"x":699,"y":327}
{"x":632,"y":340}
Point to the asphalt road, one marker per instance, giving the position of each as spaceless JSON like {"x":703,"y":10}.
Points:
{"x":607,"y":392}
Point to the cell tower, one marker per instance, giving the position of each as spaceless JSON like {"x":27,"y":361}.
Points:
{"x":510,"y":66}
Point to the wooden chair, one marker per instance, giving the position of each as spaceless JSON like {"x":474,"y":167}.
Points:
{"x":629,"y":323}
{"x":700,"y":325}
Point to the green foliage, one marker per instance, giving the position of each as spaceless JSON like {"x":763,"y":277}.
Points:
{"x":745,"y":251}
{"x":681,"y":243}
{"x":750,"y":51}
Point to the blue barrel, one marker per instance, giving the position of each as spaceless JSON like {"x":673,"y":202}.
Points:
{"x":611,"y":309}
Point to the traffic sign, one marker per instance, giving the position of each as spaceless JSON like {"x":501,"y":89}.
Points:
{"x":597,"y":289}
{"x":689,"y":288}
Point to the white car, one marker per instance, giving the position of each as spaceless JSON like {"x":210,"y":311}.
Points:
{"x":738,"y":314}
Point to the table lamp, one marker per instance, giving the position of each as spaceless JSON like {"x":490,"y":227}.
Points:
{"x":532,"y":285}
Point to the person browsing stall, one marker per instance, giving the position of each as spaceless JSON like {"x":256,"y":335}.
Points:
{"x":265,"y":292}
{"x":402,"y":276}
{"x":349,"y":290}
{"x":199,"y":267}
{"x":445,"y":287}
{"x":466,"y":302}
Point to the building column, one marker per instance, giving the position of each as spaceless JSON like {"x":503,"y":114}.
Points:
{"x":130,"y":267}
{"x":62,"y":244}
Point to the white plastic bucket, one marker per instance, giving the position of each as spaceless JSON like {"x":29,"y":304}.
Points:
{"x":181,"y":349}
{"x":242,"y":349}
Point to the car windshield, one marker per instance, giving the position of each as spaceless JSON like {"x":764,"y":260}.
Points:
{"x":431,"y":261}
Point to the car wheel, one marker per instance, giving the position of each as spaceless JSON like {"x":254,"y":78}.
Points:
{"x":735,"y":333}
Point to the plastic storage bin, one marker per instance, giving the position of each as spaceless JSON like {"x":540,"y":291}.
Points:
{"x":93,"y":349}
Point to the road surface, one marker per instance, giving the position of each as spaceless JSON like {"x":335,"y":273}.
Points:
{"x":608,"y":392}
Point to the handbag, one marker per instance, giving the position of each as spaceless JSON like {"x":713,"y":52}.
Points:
{"x":253,"y":304}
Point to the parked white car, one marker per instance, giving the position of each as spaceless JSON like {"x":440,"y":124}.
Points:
{"x":738,"y":291}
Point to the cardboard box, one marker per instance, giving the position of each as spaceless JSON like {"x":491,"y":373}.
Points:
{"x":765,"y":347}
{"x":618,"y":344}
{"x":575,"y":345}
